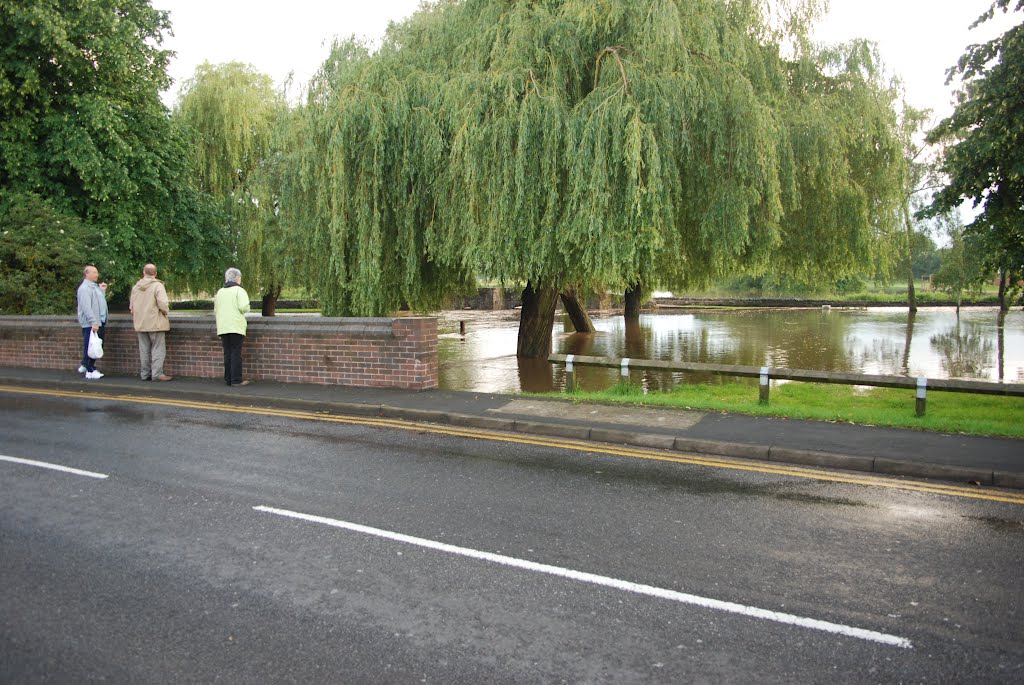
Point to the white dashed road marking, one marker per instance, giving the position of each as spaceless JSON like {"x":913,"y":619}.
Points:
{"x":53,"y":467}
{"x":605,"y":581}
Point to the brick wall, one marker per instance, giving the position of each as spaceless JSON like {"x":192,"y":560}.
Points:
{"x":379,"y":352}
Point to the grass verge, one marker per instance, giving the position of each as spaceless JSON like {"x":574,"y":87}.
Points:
{"x":947,"y":412}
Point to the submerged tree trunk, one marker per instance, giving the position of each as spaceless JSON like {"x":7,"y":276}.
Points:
{"x":270,"y":301}
{"x":535,"y":321}
{"x":576,"y":310}
{"x":636,"y":343}
{"x":907,"y":340}
{"x":1000,"y":344}
{"x":1003,"y":304}
{"x":535,"y":375}
{"x":634,"y":295}
{"x":911,"y":295}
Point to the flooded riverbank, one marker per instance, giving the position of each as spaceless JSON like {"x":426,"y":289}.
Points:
{"x":934,"y":343}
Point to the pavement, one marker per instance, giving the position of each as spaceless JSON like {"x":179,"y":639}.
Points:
{"x":982,"y":461}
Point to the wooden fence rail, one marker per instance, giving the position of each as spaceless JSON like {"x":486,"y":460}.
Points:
{"x":766,"y":374}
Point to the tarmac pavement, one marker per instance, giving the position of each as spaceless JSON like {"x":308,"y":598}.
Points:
{"x":983,"y":461}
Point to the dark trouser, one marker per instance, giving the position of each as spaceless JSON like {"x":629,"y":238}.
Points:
{"x":232,"y":343}
{"x":88,"y":362}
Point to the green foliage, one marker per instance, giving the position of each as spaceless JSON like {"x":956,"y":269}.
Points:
{"x":625,"y":389}
{"x":849,"y":284}
{"x":245,"y":139}
{"x":42,"y":252}
{"x":271,"y":248}
{"x":924,"y":253}
{"x":984,"y":157}
{"x":920,"y":175}
{"x":843,"y":166}
{"x":594,"y":144}
{"x":232,"y":108}
{"x":744,"y":284}
{"x":369,"y":161}
{"x":962,"y":272}
{"x":84,"y":127}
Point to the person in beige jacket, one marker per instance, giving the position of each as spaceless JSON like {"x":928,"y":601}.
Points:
{"x":150,"y":308}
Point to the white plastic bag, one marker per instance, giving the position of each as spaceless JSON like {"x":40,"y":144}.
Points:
{"x":95,"y":345}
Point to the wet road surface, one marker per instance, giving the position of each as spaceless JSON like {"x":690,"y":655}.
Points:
{"x":248,"y":548}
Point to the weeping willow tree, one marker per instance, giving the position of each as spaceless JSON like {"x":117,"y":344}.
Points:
{"x":588,"y":143}
{"x":271,"y":247}
{"x":844,"y":168}
{"x":919,"y":178}
{"x":242,"y":131}
{"x":370,"y":153}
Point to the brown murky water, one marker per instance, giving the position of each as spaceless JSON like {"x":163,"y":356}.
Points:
{"x":876,"y":341}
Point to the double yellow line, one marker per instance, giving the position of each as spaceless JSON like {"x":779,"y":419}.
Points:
{"x":558,"y":443}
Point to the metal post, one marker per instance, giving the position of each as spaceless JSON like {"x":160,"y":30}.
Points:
{"x":624,"y":368}
{"x":570,"y":374}
{"x":764,"y":387}
{"x":922,"y":391}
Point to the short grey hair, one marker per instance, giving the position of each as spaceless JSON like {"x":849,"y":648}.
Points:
{"x":232,"y":275}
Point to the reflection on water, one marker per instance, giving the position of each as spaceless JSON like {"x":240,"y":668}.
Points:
{"x":535,"y":375}
{"x":877,"y":341}
{"x":964,"y":351}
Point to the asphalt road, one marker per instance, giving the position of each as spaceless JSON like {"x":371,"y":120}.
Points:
{"x":200,"y":558}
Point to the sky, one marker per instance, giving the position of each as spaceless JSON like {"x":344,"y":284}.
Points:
{"x":919,"y":39}
{"x":277,"y":37}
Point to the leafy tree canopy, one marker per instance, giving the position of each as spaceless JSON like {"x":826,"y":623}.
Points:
{"x":232,"y":110}
{"x":240,"y":127}
{"x":82,"y":125}
{"x":366,"y":187}
{"x":984,"y":137}
{"x":42,"y":251}
{"x":962,"y":270}
{"x":595,"y":142}
{"x":925,"y":254}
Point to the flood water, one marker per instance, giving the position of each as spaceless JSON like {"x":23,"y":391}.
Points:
{"x":881,"y":340}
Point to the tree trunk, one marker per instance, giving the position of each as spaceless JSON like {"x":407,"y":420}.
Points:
{"x":577,"y":311}
{"x":911,"y":295}
{"x":270,"y":301}
{"x":535,"y":322}
{"x":907,"y":340}
{"x":535,"y":375}
{"x":636,"y":343}
{"x":1000,"y":344}
{"x":580,"y":343}
{"x":1003,"y":306}
{"x":634,"y":294}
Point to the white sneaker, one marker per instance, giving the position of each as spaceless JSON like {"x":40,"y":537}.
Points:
{"x":81,"y":369}
{"x":93,"y":375}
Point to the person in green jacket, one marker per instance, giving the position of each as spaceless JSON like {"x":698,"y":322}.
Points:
{"x":230,"y":305}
